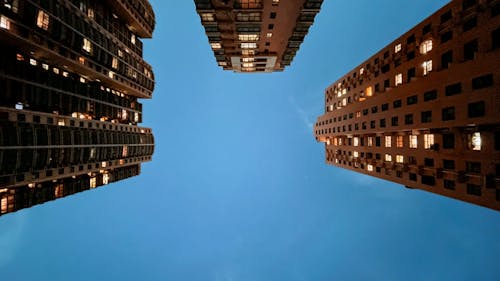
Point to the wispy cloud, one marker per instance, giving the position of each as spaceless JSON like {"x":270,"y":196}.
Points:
{"x":304,"y":116}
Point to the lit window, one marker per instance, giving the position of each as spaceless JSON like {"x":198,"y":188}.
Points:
{"x":90,"y":13}
{"x":428,"y":140}
{"x":132,"y":39}
{"x":248,"y":59}
{"x":120,"y":53}
{"x":426,"y":47}
{"x":355,"y":154}
{"x":369,"y":167}
{"x":42,"y":20}
{"x":344,"y":101}
{"x":399,"y":141}
{"x":248,"y":64}
{"x":87,"y":46}
{"x":215,"y":45}
{"x":475,"y":141}
{"x":111,"y":74}
{"x":370,"y":141}
{"x":60,"y":122}
{"x":413,"y":141}
{"x":4,"y":205}
{"x":248,"y":37}
{"x":388,"y":158}
{"x":105,"y":179}
{"x":427,"y":65}
{"x":369,"y":91}
{"x":388,"y":140}
{"x":361,"y":71}
{"x":81,"y":60}
{"x":93,"y":182}
{"x":59,"y":191}
{"x":4,"y":22}
{"x":19,"y":106}
{"x":358,"y":114}
{"x":399,"y":79}
{"x":248,"y":45}
{"x":33,"y":62}
{"x":399,"y":159}
{"x":103,"y":164}
{"x":82,"y":80}
{"x":136,"y":117}
{"x":19,"y":57}
{"x":207,"y":17}
{"x":114,"y":63}
{"x":65,"y":74}
{"x":45,"y":66}
{"x":397,"y":48}
{"x":56,"y":70}
{"x":125,"y":151}
{"x":355,"y":141}
{"x":269,"y":35}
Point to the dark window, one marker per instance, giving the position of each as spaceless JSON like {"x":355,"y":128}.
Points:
{"x":495,"y":10}
{"x":495,"y":38}
{"x":426,"y":116}
{"x":448,"y":113}
{"x":386,"y":54}
{"x":413,"y":177}
{"x":377,"y":88}
{"x":385,"y":68}
{"x":385,"y":107}
{"x":377,"y":141}
{"x":410,"y":55}
{"x":374,"y":109}
{"x":270,"y":26}
{"x":377,"y":156}
{"x":470,"y":49}
{"x":408,"y":119}
{"x":397,"y":104}
{"x":482,"y":82}
{"x":446,"y":59}
{"x":394,"y":121}
{"x":470,"y":24}
{"x":430,"y":95}
{"x":429,"y":162}
{"x":453,"y":89}
{"x":476,"y":109}
{"x":447,"y":36}
{"x":468,"y":3}
{"x":449,"y":184}
{"x":473,"y":189}
{"x":412,"y":100}
{"x":426,"y":29}
{"x":411,"y":74}
{"x":387,"y":83}
{"x":446,"y":16}
{"x":429,"y":180}
{"x":372,"y":124}
{"x":448,"y":141}
{"x":272,"y":15}
{"x":473,"y":167}
{"x":397,"y":62}
{"x":382,"y":123}
{"x":411,"y":39}
{"x":378,"y":169}
{"x":448,"y":164}
{"x":365,"y":111}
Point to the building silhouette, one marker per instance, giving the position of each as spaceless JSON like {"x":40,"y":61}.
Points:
{"x":424,"y":111}
{"x":256,"y":35}
{"x":71,"y":74}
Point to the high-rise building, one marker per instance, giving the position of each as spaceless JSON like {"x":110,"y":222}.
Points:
{"x":71,"y":74}
{"x":424,"y":111}
{"x":256,"y":35}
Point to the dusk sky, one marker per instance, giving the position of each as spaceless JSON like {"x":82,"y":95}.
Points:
{"x":238,"y":189}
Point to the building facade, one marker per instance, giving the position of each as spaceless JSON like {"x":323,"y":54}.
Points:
{"x":256,"y":35}
{"x":71,"y":75}
{"x":424,"y":111}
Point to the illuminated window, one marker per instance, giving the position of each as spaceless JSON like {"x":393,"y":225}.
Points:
{"x":248,"y":37}
{"x":388,"y":158}
{"x":114,"y":63}
{"x":413,"y":141}
{"x":475,"y":141}
{"x":398,"y":79}
{"x":248,"y":64}
{"x":248,"y":45}
{"x":111,"y":74}
{"x":90,"y":13}
{"x":42,"y":20}
{"x":132,"y":39}
{"x":369,"y":167}
{"x":45,"y":66}
{"x":369,"y":91}
{"x":93,"y":182}
{"x":397,"y":48}
{"x":355,"y":154}
{"x":428,"y":140}
{"x":361,"y":71}
{"x":124,"y":151}
{"x":215,"y":45}
{"x":269,"y":35}
{"x":344,"y":101}
{"x":87,"y":46}
{"x":399,"y":159}
{"x":59,"y":191}
{"x":358,"y":114}
{"x":426,"y":47}
{"x":208,"y":17}
{"x":248,"y":59}
{"x":33,"y":62}
{"x":3,"y":205}
{"x":427,"y":65}
{"x":355,"y":141}
{"x":370,"y":141}
{"x":4,"y":23}
{"x":105,"y":179}
{"x":399,"y":141}
{"x":388,"y":140}
{"x":120,"y":53}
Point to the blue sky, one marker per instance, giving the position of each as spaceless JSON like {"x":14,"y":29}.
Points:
{"x":239,"y":189}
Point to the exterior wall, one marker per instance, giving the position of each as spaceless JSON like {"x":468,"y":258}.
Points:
{"x":71,"y":77}
{"x":262,"y":35}
{"x":436,"y":86}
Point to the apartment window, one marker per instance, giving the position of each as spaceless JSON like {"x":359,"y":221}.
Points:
{"x":87,"y":46}
{"x":4,"y":23}
{"x":453,"y":89}
{"x":132,"y":39}
{"x":394,"y":121}
{"x":449,"y":141}
{"x":388,"y":158}
{"x":476,"y":109}
{"x":207,"y":17}
{"x":427,"y":66}
{"x":372,"y":124}
{"x":248,"y":45}
{"x":248,"y":37}
{"x":446,"y":59}
{"x":470,"y":49}
{"x":473,"y":189}
{"x":412,"y":100}
{"x":449,"y":184}
{"x":426,"y":116}
{"x":272,"y":15}
{"x":430,"y":95}
{"x":388,"y":141}
{"x":399,"y":159}
{"x":413,"y":141}
{"x":399,"y":141}
{"x":397,"y":48}
{"x":369,"y":168}
{"x":408,"y":119}
{"x":114,"y":63}
{"x":495,"y":37}
{"x":382,"y":123}
{"x":374,"y":109}
{"x":474,"y":141}
{"x":248,"y":16}
{"x":447,"y":36}
{"x":470,"y":24}
{"x":410,"y":39}
{"x":269,"y":35}
{"x":413,"y":176}
{"x":473,"y":167}
{"x":377,"y":141}
{"x":410,"y":56}
{"x":448,"y":113}
{"x":429,"y":162}
{"x":270,"y":26}
{"x":365,"y":111}
{"x":428,"y":140}
{"x":410,"y":74}
{"x":396,"y":104}
{"x":42,"y":20}
{"x":428,"y":180}
{"x":426,"y":29}
{"x":355,"y":141}
{"x":448,"y":164}
{"x":398,"y":80}
{"x":426,"y":47}
{"x":482,"y":82}
{"x":384,"y":107}
{"x":446,"y":16}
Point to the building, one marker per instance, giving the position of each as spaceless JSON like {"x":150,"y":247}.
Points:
{"x":424,"y":111}
{"x":71,"y":75}
{"x":256,"y":35}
